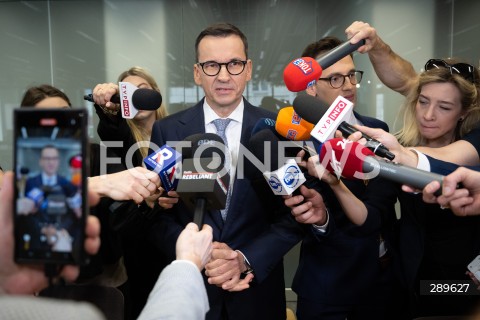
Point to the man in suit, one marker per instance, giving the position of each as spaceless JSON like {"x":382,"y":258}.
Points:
{"x":343,"y":270}
{"x":57,"y":204}
{"x":251,"y":240}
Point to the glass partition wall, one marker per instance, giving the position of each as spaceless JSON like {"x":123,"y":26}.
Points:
{"x":74,"y":45}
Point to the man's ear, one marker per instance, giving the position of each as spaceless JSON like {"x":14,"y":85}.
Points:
{"x":196,"y":74}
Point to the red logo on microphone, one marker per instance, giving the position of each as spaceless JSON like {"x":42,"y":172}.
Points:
{"x":296,"y":118}
{"x":126,"y":105}
{"x":304,"y":66}
{"x":337,"y":111}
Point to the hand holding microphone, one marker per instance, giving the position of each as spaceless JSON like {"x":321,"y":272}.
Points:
{"x":103,"y":94}
{"x":332,"y":118}
{"x":130,"y":98}
{"x":351,"y":160}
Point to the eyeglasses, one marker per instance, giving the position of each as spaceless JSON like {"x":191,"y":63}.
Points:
{"x":212,"y":68}
{"x":465,"y":70}
{"x":49,"y":158}
{"x":337,"y":80}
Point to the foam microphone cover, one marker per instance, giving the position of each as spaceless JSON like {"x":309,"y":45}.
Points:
{"x":146,"y":99}
{"x":301,"y":73}
{"x":142,"y":99}
{"x":211,"y":144}
{"x":290,"y":125}
{"x":263,"y":123}
{"x":339,"y":156}
{"x":309,"y":108}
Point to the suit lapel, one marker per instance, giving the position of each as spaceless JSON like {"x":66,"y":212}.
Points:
{"x":191,"y":122}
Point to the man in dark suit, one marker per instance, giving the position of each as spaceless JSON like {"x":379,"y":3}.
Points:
{"x":344,"y":270}
{"x":258,"y":230}
{"x":57,"y":204}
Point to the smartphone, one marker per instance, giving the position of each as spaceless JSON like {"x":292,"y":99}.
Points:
{"x":474,"y":267}
{"x":51,"y":161}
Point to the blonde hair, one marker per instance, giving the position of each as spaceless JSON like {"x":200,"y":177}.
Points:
{"x":409,"y":135}
{"x":139,"y":132}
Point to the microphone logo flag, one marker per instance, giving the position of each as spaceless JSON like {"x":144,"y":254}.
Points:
{"x":275,"y":184}
{"x":339,"y":111}
{"x":304,"y":66}
{"x":286,"y":179}
{"x":165,"y":162}
{"x":126,"y":92}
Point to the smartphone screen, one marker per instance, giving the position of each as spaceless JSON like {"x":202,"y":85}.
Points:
{"x":50,"y":157}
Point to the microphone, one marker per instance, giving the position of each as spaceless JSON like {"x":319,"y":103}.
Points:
{"x":204,"y":180}
{"x":281,"y":172}
{"x":304,"y":72}
{"x":335,"y":117}
{"x":263,"y":123}
{"x":22,"y":181}
{"x":165,"y":162}
{"x":132,"y":99}
{"x":290,"y":125}
{"x":353,"y":161}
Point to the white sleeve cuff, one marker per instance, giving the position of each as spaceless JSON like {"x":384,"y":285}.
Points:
{"x":322,"y":228}
{"x":423,"y":162}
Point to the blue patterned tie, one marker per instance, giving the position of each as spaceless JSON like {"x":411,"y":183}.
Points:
{"x":221,"y":125}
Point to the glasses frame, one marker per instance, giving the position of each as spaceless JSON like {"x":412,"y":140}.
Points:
{"x":468,"y":75}
{"x":201,"y":64}
{"x":329,"y":79}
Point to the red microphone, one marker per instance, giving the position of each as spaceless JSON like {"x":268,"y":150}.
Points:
{"x":304,"y":72}
{"x":301,"y":73}
{"x":351,"y":160}
{"x":344,"y":158}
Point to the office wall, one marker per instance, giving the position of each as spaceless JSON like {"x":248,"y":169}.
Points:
{"x":76,"y":44}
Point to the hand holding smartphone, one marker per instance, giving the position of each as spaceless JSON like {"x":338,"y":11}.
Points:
{"x":50,"y":194}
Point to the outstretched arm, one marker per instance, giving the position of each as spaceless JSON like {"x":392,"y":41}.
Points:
{"x":395,"y":72}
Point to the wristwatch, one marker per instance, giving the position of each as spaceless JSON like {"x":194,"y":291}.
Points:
{"x":247,"y":264}
{"x":249,"y":267}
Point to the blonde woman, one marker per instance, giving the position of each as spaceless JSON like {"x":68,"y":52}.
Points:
{"x":142,"y":261}
{"x":136,"y":131}
{"x":435,"y":244}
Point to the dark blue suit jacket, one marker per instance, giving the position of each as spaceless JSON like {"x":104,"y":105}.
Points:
{"x":258,"y":224}
{"x":341,"y":266}
{"x":445,"y":168}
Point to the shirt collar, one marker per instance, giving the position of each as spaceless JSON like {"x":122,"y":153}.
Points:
{"x":210,"y":115}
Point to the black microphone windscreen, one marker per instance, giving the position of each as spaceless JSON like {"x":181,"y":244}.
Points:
{"x":142,"y":99}
{"x":263,"y":123}
{"x":257,"y":143}
{"x":309,"y":108}
{"x":146,"y":99}
{"x":205,"y":145}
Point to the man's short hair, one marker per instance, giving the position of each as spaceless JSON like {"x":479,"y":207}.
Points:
{"x":222,"y":29}
{"x":318,"y":48}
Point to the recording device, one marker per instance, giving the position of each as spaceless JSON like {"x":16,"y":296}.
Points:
{"x":335,"y":117}
{"x":304,"y":72}
{"x":132,"y":99}
{"x":291,"y":125}
{"x":263,"y":123}
{"x":281,"y":172}
{"x":205,"y":177}
{"x":50,"y":210}
{"x":165,"y":162}
{"x":351,"y":160}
